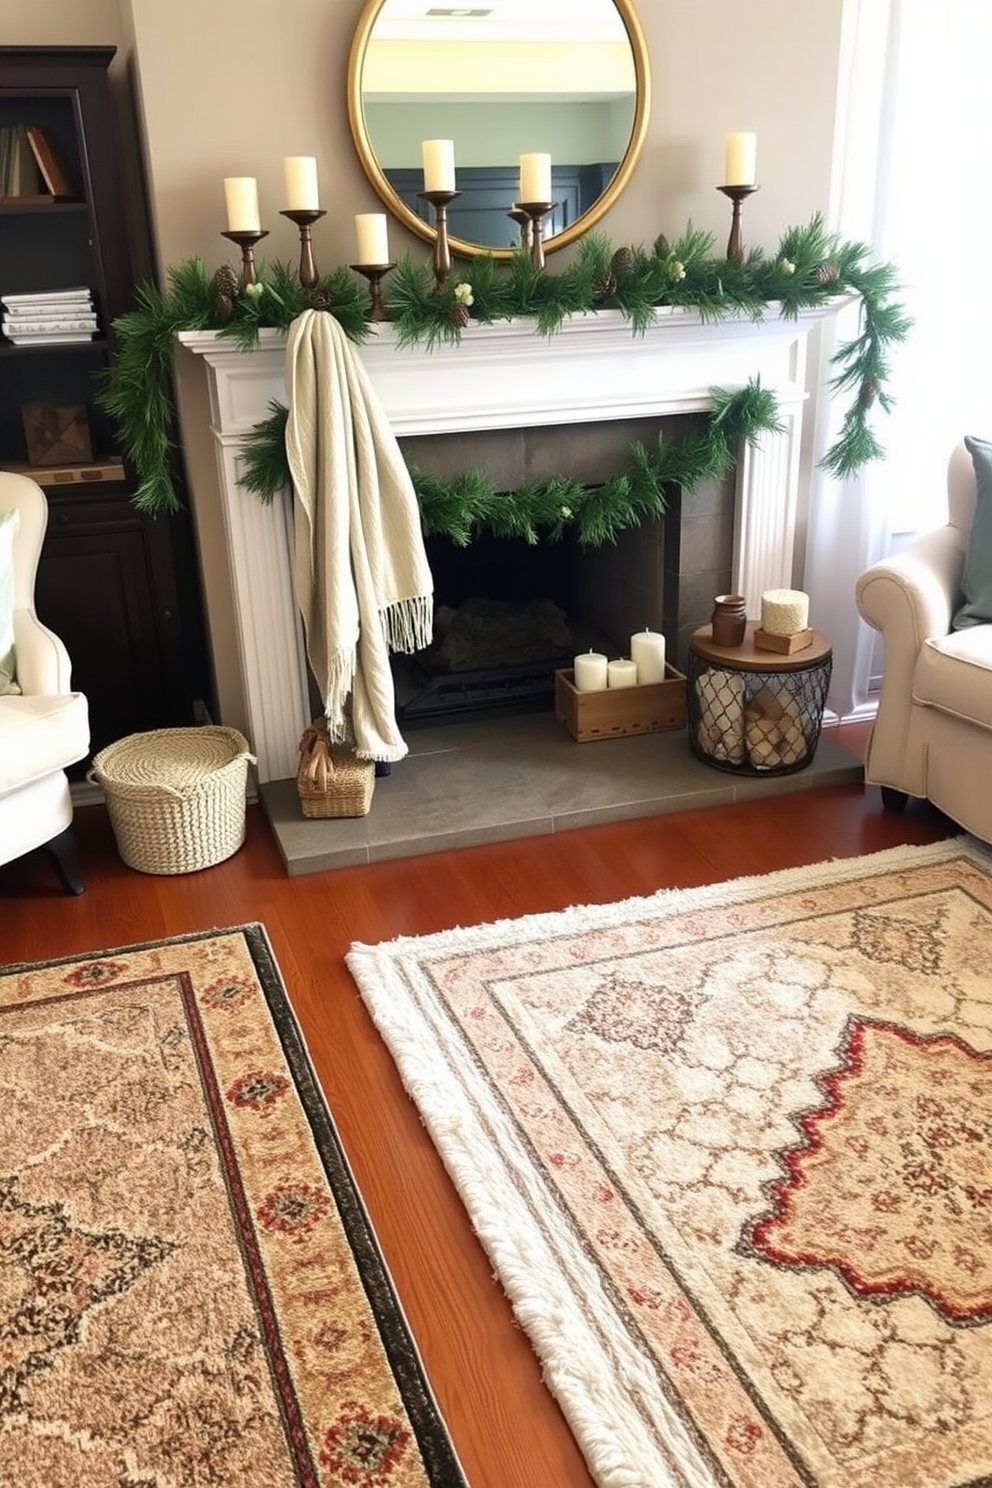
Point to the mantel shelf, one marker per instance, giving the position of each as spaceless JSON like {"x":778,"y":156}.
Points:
{"x":507,"y":375}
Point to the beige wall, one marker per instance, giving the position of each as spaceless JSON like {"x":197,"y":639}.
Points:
{"x":59,"y":23}
{"x":229,"y":87}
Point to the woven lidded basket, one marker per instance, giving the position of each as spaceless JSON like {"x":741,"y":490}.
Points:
{"x":176,"y":797}
{"x":331,"y":779}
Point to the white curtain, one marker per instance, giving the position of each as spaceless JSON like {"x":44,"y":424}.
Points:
{"x":910,"y":181}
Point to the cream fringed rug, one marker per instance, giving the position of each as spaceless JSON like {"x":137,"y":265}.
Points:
{"x":730,"y":1152}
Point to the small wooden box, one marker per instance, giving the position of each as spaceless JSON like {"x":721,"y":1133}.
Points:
{"x":784,"y":645}
{"x":617,"y":712}
{"x":57,"y":435}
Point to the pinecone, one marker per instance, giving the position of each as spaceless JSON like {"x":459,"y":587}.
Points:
{"x":225,"y":288}
{"x":459,"y":315}
{"x":825,"y":273}
{"x":867,"y":393}
{"x":620,"y":262}
{"x":319,"y":299}
{"x":226,"y":282}
{"x":662,"y":247}
{"x":606,"y":286}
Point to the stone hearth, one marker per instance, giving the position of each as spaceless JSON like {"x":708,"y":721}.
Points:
{"x":465,"y":784}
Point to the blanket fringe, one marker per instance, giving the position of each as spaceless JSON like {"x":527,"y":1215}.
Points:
{"x":338,"y":685}
{"x":409,"y":623}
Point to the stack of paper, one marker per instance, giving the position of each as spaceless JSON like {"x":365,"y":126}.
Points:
{"x":53,"y":318}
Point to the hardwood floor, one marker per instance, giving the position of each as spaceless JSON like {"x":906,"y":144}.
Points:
{"x":506,"y":1427}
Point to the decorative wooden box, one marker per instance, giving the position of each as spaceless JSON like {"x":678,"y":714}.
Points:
{"x":617,"y":712}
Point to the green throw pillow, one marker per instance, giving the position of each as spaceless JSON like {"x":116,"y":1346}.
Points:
{"x":976,"y":581}
{"x":9,"y":523}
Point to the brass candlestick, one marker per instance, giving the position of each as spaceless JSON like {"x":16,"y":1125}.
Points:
{"x":304,"y":220}
{"x":374,"y":273}
{"x":737,"y":194}
{"x":536,"y":212}
{"x":246,"y":242}
{"x":440,"y":201}
{"x":522,"y":218}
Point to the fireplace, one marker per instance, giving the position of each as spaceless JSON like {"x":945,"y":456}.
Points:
{"x":554,"y":598}
{"x":594,"y":373}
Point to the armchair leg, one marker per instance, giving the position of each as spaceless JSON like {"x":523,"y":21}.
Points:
{"x":892,"y":799}
{"x":62,"y":851}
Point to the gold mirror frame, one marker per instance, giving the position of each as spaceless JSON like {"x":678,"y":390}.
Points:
{"x":404,"y":214}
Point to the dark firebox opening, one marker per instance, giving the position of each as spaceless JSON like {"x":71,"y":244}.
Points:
{"x":508,"y":614}
{"x":661,"y":574}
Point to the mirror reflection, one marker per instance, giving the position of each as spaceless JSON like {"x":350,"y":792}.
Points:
{"x":501,"y":79}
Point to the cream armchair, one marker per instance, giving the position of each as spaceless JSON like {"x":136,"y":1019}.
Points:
{"x":44,"y":725}
{"x":932,"y":735}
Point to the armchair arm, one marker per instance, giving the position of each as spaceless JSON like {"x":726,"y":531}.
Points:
{"x":908,"y":597}
{"x":43,"y":666}
{"x":913,"y":594}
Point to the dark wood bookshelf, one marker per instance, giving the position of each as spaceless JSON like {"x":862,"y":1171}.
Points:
{"x":121,"y":588}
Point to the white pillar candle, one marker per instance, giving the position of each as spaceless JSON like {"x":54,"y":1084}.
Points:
{"x":300,"y":173}
{"x":241,"y":198}
{"x":535,"y":178}
{"x":621,"y":673}
{"x":590,"y":672}
{"x":784,"y":612}
{"x":647,"y":650}
{"x":741,"y":157}
{"x":373,"y":238}
{"x":439,"y":165}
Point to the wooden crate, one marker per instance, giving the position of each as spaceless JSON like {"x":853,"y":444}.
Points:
{"x":616,"y":712}
{"x":784,"y":645}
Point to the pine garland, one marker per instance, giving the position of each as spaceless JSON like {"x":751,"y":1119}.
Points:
{"x":809,"y":270}
{"x":136,"y":388}
{"x":469,"y":505}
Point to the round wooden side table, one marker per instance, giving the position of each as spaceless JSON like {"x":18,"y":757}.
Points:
{"x":755,"y":712}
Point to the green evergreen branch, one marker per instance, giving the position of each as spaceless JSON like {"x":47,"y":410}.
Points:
{"x":264,"y":467}
{"x":810,"y":269}
{"x":470,"y":504}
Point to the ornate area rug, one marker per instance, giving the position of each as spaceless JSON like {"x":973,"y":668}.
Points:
{"x":730,"y":1152}
{"x":190,"y":1289}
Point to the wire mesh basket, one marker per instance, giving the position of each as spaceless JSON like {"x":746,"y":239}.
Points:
{"x":756,"y":722}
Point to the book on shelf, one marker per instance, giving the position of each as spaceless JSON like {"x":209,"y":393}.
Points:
{"x":21,"y":176}
{"x":50,"y":338}
{"x":33,"y":325}
{"x":31,"y":166}
{"x":54,"y":318}
{"x":47,"y":297}
{"x":50,"y":163}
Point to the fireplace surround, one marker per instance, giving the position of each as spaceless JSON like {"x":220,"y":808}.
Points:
{"x":502,"y":377}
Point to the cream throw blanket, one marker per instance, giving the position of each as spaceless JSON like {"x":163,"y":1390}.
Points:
{"x":363,"y":583}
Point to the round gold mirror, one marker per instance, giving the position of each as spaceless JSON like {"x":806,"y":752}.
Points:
{"x":502,"y":78}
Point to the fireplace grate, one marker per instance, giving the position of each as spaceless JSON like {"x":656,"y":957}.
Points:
{"x":509,"y":689}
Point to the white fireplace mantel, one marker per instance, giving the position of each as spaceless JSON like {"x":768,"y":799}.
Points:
{"x":499,"y":377}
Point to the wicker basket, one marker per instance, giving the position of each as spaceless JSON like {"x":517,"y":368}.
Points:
{"x":331,"y":779}
{"x":176,"y":797}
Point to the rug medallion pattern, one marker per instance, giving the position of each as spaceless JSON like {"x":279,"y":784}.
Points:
{"x":190,"y":1292}
{"x":745,"y":1139}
